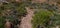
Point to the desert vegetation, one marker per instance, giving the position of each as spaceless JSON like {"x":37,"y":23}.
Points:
{"x":45,"y":15}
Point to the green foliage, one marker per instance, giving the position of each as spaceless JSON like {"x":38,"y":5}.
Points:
{"x":18,"y":10}
{"x":2,"y":21}
{"x":11,"y":11}
{"x":21,"y":11}
{"x":56,"y":19}
{"x":41,"y":17}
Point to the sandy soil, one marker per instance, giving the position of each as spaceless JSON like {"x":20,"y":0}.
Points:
{"x":26,"y":21}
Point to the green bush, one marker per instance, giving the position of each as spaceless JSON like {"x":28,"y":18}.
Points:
{"x":41,"y":18}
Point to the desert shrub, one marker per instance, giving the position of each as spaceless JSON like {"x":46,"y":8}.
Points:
{"x":55,"y":20}
{"x":13,"y":12}
{"x":41,"y":18}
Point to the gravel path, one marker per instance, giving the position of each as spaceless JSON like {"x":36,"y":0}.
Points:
{"x":26,"y":21}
